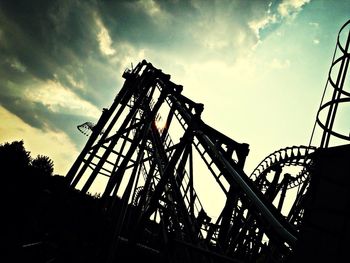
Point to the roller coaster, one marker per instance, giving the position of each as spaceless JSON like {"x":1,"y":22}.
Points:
{"x":149,"y":151}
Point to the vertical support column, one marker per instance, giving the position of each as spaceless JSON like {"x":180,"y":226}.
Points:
{"x":71,"y":175}
{"x":168,"y":171}
{"x":231,"y":201}
{"x":339,"y":94}
{"x":116,"y":178}
{"x":111,"y":145}
{"x":125,"y":94}
{"x":336,"y":96}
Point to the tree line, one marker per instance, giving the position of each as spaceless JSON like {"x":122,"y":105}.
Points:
{"x":43,"y":219}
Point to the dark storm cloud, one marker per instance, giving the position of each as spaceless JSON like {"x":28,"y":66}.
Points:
{"x":44,"y":35}
{"x":30,"y":112}
{"x":57,"y":40}
{"x":44,"y":40}
{"x":128,"y":20}
{"x":182,"y":26}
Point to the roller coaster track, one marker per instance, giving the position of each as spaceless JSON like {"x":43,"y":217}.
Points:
{"x":289,"y":156}
{"x":86,"y":128}
{"x":127,"y":146}
{"x":150,"y":171}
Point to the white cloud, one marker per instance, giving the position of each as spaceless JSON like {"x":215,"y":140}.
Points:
{"x":127,"y":54}
{"x":120,"y":53}
{"x":74,"y":83}
{"x":215,"y":36}
{"x":279,"y":64}
{"x":291,"y":7}
{"x":151,"y":7}
{"x":257,"y":25}
{"x":220,"y":36}
{"x":58,"y":98}
{"x":287,"y":9}
{"x":316,"y":41}
{"x":104,"y":39}
{"x":153,"y":10}
{"x":314,"y":24}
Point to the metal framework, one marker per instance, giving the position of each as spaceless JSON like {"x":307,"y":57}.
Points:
{"x":335,"y":100}
{"x":144,"y":153}
{"x":144,"y":147}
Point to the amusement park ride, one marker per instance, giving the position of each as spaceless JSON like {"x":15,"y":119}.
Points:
{"x":145,"y":150}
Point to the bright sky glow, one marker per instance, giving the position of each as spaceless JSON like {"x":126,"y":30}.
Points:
{"x":259,"y":67}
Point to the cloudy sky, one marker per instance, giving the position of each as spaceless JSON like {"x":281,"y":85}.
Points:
{"x":258,"y":66}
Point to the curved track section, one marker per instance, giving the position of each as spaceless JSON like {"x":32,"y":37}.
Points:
{"x":151,"y":171}
{"x":86,"y":128}
{"x":289,"y":156}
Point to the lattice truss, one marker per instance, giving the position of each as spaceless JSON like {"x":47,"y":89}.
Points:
{"x":333,"y":114}
{"x":146,"y":149}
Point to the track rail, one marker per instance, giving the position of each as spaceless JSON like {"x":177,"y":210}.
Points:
{"x":289,"y":156}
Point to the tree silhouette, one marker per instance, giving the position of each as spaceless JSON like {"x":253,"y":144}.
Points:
{"x":14,"y":158}
{"x":43,"y":165}
{"x":43,"y":219}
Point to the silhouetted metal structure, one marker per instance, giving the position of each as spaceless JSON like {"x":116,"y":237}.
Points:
{"x":87,"y":127}
{"x":335,"y":99}
{"x":143,"y":155}
{"x":155,"y":172}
